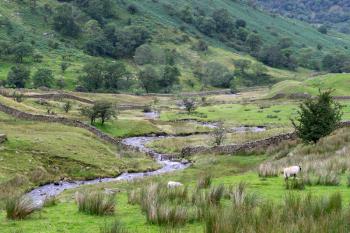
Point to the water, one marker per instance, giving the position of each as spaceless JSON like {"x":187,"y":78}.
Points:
{"x":39,"y":194}
{"x":139,"y":143}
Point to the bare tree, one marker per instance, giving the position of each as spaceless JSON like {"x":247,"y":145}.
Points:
{"x":219,"y":134}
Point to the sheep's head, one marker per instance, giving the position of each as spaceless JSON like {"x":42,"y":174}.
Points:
{"x":299,"y":168}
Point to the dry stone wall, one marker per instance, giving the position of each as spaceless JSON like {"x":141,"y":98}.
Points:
{"x":59,"y":96}
{"x":234,"y":148}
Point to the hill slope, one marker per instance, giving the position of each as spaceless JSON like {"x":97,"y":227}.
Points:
{"x":330,"y":12}
{"x":166,"y":31}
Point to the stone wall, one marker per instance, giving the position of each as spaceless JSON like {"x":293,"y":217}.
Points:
{"x":3,"y":138}
{"x":59,"y":96}
{"x":62,"y":120}
{"x":234,"y":148}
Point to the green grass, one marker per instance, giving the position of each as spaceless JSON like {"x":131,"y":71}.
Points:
{"x":128,"y":128}
{"x":55,"y":151}
{"x":338,"y":82}
{"x":154,"y":17}
{"x":227,"y":170}
{"x":175,"y":145}
{"x":263,"y":113}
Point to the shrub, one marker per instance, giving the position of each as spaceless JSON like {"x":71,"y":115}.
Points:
{"x":67,"y":106}
{"x":318,"y":117}
{"x":114,"y":227}
{"x":95,"y":203}
{"x":219,"y":134}
{"x":19,"y":207}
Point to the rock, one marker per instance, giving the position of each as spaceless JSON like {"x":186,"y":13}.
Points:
{"x":111,"y":191}
{"x":3,"y":138}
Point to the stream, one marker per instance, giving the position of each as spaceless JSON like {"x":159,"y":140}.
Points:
{"x":41,"y":193}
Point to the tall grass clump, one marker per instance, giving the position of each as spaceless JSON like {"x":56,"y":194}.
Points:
{"x":215,"y":194}
{"x":295,"y":184}
{"x":50,"y":201}
{"x":241,"y":198}
{"x":267,"y":170}
{"x":162,"y":205}
{"x":113,"y":227}
{"x":95,"y":203}
{"x":204,"y":181}
{"x":19,"y":207}
{"x":302,"y":214}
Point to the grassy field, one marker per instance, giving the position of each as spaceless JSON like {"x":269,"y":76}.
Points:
{"x":176,"y":144}
{"x":262,"y":113}
{"x":43,"y":152}
{"x":226,"y":170}
{"x":338,"y":82}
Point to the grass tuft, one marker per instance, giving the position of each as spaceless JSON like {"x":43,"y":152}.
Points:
{"x":95,"y":203}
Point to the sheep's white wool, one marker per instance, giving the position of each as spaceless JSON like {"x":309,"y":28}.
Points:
{"x":173,"y":184}
{"x":291,"y":171}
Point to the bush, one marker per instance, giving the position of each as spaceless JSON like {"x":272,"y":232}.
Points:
{"x":19,"y":207}
{"x":95,"y":203}
{"x":318,"y":117}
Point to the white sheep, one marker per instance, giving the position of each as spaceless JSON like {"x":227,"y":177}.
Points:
{"x":291,"y":171}
{"x":173,"y":184}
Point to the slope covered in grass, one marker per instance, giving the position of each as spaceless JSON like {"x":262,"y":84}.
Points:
{"x":338,"y":82}
{"x":43,"y":152}
{"x":167,"y":30}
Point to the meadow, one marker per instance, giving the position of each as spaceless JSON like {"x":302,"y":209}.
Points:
{"x":247,"y":181}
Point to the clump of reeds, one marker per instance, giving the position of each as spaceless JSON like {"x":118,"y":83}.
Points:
{"x":95,"y":203}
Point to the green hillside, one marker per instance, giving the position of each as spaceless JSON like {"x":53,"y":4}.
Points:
{"x":164,"y":33}
{"x":338,"y":82}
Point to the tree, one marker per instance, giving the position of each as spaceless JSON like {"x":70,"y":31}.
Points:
{"x":144,"y":55}
{"x":64,"y":21}
{"x":242,"y":65}
{"x":219,"y":134}
{"x":22,"y":50}
{"x":114,"y":75}
{"x":18,"y":76}
{"x":94,"y":75}
{"x":149,"y":79}
{"x":128,"y":39}
{"x":104,"y":110}
{"x":217,"y":75}
{"x":170,"y":77}
{"x":89,"y":113}
{"x":318,"y":117}
{"x":254,"y":43}
{"x":100,"y":109}
{"x":241,"y":23}
{"x":60,"y":83}
{"x":189,"y":104}
{"x":43,"y":78}
{"x":132,"y":8}
{"x":64,"y":66}
{"x":323,"y":29}
{"x":67,"y":106}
